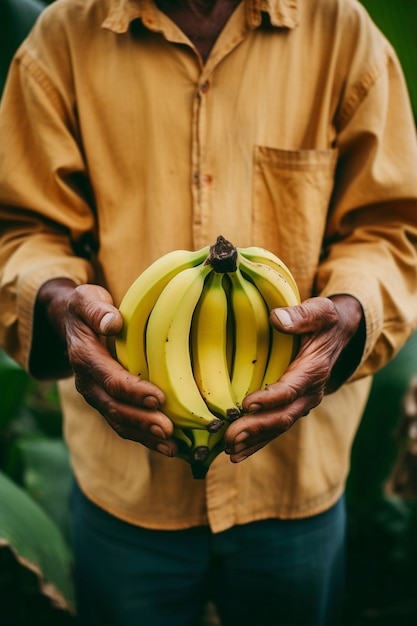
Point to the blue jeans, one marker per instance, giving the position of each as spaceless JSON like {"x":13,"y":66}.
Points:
{"x":271,"y":572}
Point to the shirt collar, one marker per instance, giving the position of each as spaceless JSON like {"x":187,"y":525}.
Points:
{"x":282,"y":13}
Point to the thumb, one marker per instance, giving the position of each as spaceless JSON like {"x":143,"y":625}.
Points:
{"x":305,"y":317}
{"x":94,"y":305}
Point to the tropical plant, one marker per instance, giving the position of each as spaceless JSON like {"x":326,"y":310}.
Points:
{"x":35,"y":549}
{"x":382,"y":524}
{"x":35,"y":543}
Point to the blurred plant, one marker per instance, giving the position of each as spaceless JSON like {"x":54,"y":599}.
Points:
{"x":35,"y":546}
{"x":382,"y":512}
{"x":35,"y":551}
{"x":398,"y":21}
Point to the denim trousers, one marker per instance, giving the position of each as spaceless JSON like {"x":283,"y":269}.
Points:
{"x":270,"y":572}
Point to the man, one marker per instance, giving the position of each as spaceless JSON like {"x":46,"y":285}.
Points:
{"x":130,"y":128}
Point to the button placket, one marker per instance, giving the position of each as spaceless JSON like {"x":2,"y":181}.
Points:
{"x":204,"y":87}
{"x":202,"y":179}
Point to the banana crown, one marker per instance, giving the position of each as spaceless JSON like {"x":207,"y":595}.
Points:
{"x":196,"y":324}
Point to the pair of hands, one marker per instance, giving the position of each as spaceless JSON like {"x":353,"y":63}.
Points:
{"x":84,"y":318}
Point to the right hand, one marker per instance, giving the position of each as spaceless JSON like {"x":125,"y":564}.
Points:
{"x":84,"y":317}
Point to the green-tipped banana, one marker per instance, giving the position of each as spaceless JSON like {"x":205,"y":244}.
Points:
{"x":139,"y":301}
{"x":203,"y":455}
{"x":276,"y":292}
{"x":199,"y":448}
{"x":209,"y":349}
{"x":261,"y":255}
{"x":251,"y":339}
{"x":216,"y":446}
{"x":185,"y":443}
{"x":168,"y":354}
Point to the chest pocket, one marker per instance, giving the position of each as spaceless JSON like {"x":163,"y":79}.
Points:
{"x":291,"y":195}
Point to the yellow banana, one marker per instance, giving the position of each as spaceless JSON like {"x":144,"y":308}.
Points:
{"x":251,"y":335}
{"x":261,"y":255}
{"x":276,"y":292}
{"x":168,"y":353}
{"x":139,"y":300}
{"x":209,"y":349}
{"x":230,"y":325}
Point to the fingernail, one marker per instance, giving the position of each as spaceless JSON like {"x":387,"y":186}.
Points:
{"x":106,"y":321}
{"x":150,"y":402}
{"x":283,"y":317}
{"x":156,"y":430}
{"x":241,"y":437}
{"x":165,"y":449}
{"x":239,"y":447}
{"x":253,"y":408}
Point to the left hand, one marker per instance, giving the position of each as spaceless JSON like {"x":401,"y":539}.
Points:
{"x":325,"y":327}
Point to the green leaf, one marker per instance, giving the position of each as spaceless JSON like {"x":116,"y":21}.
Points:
{"x":14,"y":382}
{"x":44,"y":405}
{"x":36,"y":544}
{"x":376,"y":447}
{"x":382,"y":539}
{"x":398,"y":21}
{"x":47,"y":477}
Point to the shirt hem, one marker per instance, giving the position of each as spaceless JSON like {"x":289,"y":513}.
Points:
{"x":320,"y":505}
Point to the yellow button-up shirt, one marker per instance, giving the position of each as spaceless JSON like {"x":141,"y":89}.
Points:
{"x":118,"y":144}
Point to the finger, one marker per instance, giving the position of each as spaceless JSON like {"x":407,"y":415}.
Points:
{"x":258,"y":428}
{"x":92,"y":363}
{"x":275,"y":395}
{"x":252,"y":432}
{"x":310,"y":316}
{"x":94,"y":306}
{"x":245,"y":452}
{"x":266,"y":425}
{"x":295,"y":385}
{"x":133,"y":422}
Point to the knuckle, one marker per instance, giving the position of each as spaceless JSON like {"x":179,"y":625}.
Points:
{"x":77,"y":363}
{"x":290,"y":392}
{"x":324,"y":374}
{"x":111,"y":384}
{"x":285,"y":423}
{"x":330,"y":312}
{"x":110,"y":410}
{"x":316,"y":398}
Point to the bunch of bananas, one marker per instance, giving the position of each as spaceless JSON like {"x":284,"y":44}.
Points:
{"x":197,"y":325}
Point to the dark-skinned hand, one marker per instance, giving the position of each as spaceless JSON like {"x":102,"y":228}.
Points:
{"x":84,"y":318}
{"x":325,"y":327}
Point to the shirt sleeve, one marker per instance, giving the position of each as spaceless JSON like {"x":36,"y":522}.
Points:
{"x":369,"y":248}
{"x":47,"y":218}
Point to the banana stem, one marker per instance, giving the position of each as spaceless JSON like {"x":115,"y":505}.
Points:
{"x":222,"y":256}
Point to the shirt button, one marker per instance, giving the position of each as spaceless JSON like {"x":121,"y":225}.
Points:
{"x":206,"y":179}
{"x":204,"y":87}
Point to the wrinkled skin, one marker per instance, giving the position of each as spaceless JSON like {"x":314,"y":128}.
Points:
{"x":83,"y":319}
